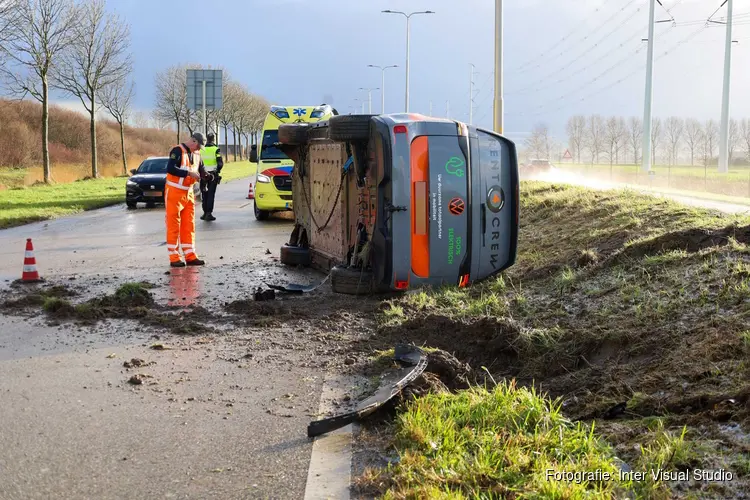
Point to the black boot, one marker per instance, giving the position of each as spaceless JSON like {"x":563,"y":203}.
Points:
{"x":196,"y":262}
{"x":203,"y":217}
{"x":209,"y":216}
{"x":178,"y":263}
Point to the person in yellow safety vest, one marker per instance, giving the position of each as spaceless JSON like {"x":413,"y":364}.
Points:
{"x":179,"y":200}
{"x":212,"y":160}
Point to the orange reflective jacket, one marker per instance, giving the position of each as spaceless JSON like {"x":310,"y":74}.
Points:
{"x":186,"y":182}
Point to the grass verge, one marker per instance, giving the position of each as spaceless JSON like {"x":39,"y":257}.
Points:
{"x":237,"y":170}
{"x":632,"y":312}
{"x":30,"y":204}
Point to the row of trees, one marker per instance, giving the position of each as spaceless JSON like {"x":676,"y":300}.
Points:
{"x":73,"y":46}
{"x":617,"y":139}
{"x":242,"y":112}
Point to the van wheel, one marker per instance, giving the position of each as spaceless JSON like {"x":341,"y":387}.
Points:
{"x":346,"y":128}
{"x":351,"y":281}
{"x":293,"y":133}
{"x":294,"y":256}
{"x":260,"y":214}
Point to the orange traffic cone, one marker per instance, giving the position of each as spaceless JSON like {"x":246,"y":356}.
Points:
{"x":30,"y":273}
{"x":250,"y":194}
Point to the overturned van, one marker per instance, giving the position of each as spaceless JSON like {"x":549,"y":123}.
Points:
{"x":395,"y":202}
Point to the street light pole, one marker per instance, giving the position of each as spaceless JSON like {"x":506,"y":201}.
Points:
{"x":498,"y":105}
{"x":382,"y":86}
{"x":408,"y":41}
{"x":369,"y":98}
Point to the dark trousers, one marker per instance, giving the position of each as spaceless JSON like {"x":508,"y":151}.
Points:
{"x":209,"y":194}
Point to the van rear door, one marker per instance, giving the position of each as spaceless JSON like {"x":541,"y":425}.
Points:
{"x":496,"y":203}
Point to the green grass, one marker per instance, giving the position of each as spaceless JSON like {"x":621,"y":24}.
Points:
{"x":735,"y":174}
{"x":30,"y":204}
{"x":237,"y":170}
{"x":502,"y":442}
{"x":12,"y":177}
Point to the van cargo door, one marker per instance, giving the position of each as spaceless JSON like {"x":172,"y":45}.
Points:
{"x":447,"y":204}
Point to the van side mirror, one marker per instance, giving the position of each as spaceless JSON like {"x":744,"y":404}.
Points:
{"x":254,"y":153}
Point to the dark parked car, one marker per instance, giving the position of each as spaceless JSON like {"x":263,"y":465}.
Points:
{"x":146,"y":185}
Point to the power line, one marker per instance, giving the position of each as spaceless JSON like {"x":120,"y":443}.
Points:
{"x":586,"y":37}
{"x":584,"y":53}
{"x":622,"y":79}
{"x":562,"y":40}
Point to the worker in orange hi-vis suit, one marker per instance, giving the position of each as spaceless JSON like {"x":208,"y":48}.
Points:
{"x":179,"y":200}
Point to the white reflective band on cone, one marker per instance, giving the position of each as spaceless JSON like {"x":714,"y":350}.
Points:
{"x":29,"y":269}
{"x":29,"y":254}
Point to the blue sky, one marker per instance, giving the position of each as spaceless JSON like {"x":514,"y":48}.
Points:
{"x":298,"y":51}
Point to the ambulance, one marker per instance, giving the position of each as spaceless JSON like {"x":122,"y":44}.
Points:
{"x":273,"y":182}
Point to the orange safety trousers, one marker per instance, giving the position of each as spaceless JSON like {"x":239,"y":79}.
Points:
{"x":180,"y":217}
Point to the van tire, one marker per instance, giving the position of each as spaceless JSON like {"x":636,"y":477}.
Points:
{"x":260,"y":214}
{"x":351,"y":281}
{"x":294,"y":134}
{"x":294,"y":256}
{"x":347,"y":128}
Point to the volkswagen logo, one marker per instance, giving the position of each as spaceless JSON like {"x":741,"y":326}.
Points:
{"x":495,"y":199}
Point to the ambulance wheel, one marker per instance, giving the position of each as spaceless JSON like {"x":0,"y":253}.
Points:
{"x":294,"y":256}
{"x":346,"y":128}
{"x":351,"y":281}
{"x":293,"y":133}
{"x":260,"y":214}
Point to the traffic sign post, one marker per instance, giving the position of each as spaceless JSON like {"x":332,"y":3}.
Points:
{"x":204,"y":91}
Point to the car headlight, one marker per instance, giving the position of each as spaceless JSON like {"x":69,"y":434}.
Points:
{"x":263,"y":178}
{"x":131,"y":184}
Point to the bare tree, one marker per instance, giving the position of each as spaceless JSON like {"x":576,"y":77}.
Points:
{"x":709,"y":137}
{"x":656,"y":136}
{"x":116,"y":98}
{"x":596,"y":136}
{"x":734,"y":138}
{"x":674,"y":129}
{"x":745,"y":132}
{"x":141,"y":120}
{"x":538,"y":142}
{"x":635,"y":137}
{"x":693,"y":137}
{"x":98,"y":58}
{"x":39,"y":31}
{"x":576,"y":134}
{"x":171,"y":96}
{"x":612,"y":137}
{"x":8,"y":12}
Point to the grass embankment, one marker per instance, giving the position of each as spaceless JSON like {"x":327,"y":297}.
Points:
{"x":735,"y":183}
{"x":40,"y":202}
{"x":632,"y":311}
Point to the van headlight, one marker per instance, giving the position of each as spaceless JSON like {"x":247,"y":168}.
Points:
{"x":263,"y":178}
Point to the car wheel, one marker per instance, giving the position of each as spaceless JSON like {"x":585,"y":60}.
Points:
{"x":351,"y":281}
{"x":347,"y":128}
{"x":260,"y":214}
{"x":293,"y":133}
{"x":294,"y":256}
{"x":150,"y":204}
{"x":132,"y":204}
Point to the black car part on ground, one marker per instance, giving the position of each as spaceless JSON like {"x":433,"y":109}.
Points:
{"x":407,"y":354}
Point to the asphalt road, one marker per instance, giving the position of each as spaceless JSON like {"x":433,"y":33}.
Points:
{"x":220,"y":416}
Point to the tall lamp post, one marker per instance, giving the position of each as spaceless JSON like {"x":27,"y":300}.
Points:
{"x":408,"y":17}
{"x":382,"y":85}
{"x":369,"y":99}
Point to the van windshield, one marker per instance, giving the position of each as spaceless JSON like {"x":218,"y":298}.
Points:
{"x":268,"y":151}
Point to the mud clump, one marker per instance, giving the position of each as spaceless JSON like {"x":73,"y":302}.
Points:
{"x":129,"y":295}
{"x":587,"y":257}
{"x":37,"y":298}
{"x":482,"y":342}
{"x":137,"y":363}
{"x":58,"y":308}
